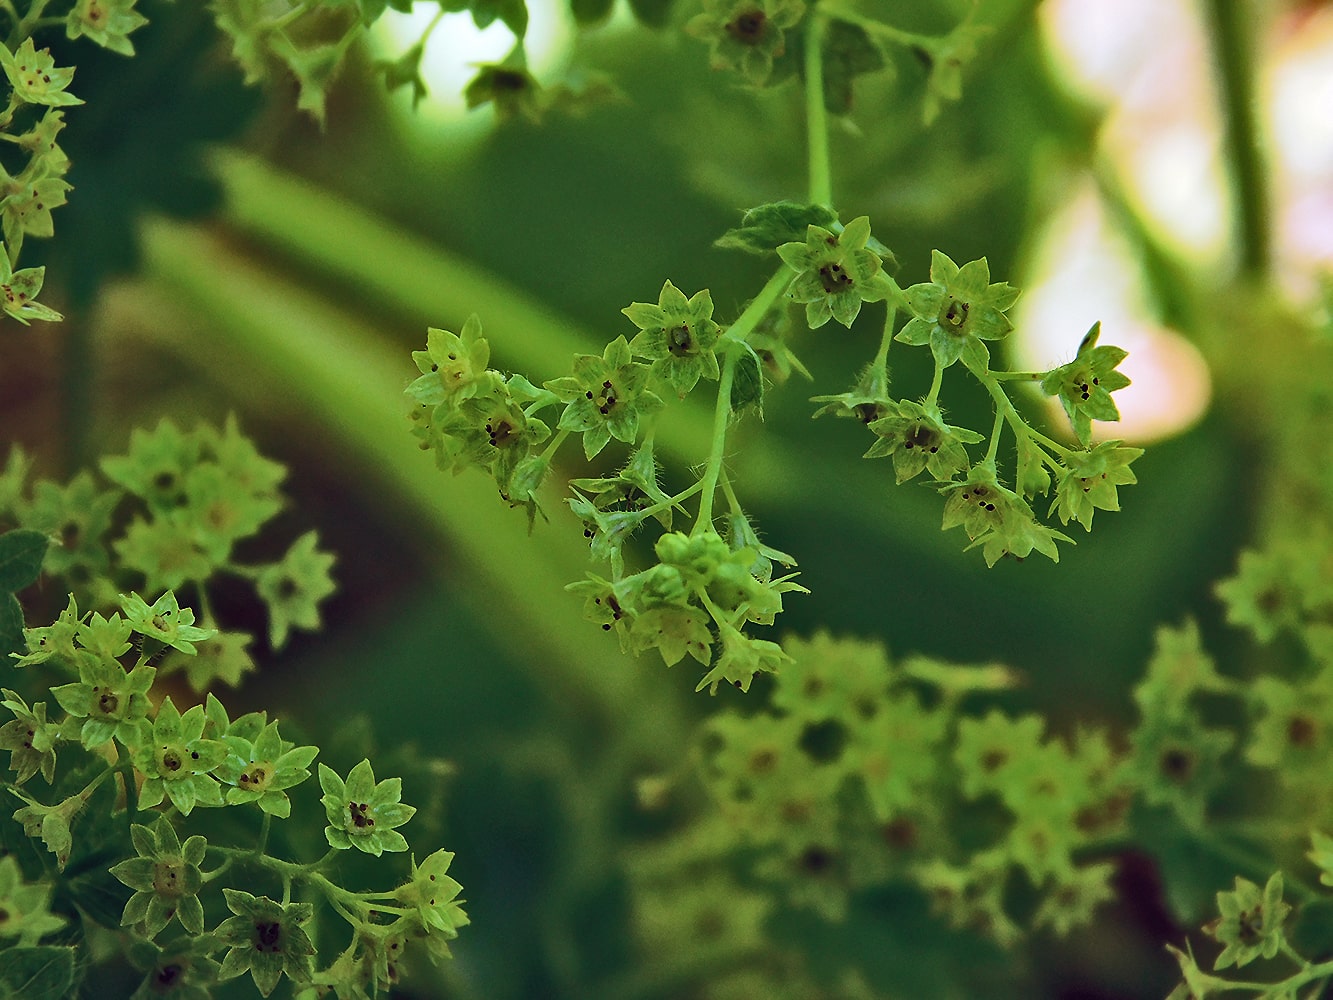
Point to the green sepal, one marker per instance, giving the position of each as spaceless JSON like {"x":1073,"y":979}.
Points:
{"x":766,"y":227}
{"x":747,"y":382}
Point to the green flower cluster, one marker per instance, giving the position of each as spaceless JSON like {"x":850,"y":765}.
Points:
{"x":192,"y":498}
{"x":863,"y":773}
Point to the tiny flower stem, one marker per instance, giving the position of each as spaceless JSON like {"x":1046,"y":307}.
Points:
{"x":262,"y":844}
{"x":1016,"y":421}
{"x":994,"y":447}
{"x":886,"y":339}
{"x":881,"y":30}
{"x":816,"y":115}
{"x":554,"y":446}
{"x":936,"y":381}
{"x":1017,"y":376}
{"x":671,"y":502}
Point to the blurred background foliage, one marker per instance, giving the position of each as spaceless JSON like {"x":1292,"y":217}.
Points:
{"x":223,"y":253}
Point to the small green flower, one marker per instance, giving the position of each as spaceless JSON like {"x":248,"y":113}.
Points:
{"x":108,"y":638}
{"x":164,"y":620}
{"x":220,"y":513}
{"x":362,"y":813}
{"x":917,"y":438}
{"x":514,"y":92}
{"x":106,"y":22}
{"x":24,"y":909}
{"x":112,"y":702}
{"x":834,"y":274}
{"x":222,"y":658}
{"x":606,"y":397}
{"x":261,"y":769}
{"x":866,"y":401}
{"x":1089,"y":480}
{"x":175,"y":760}
{"x":19,"y":290}
{"x":76,"y":516}
{"x":997,"y":518}
{"x":956,"y":310}
{"x":746,"y":35}
{"x":27,"y":208}
{"x":452,"y":365}
{"x":181,"y":971}
{"x":51,"y":823}
{"x":740,"y":659}
{"x":673,"y":630}
{"x":29,"y":738}
{"x":433,"y":894}
{"x":1285,"y":587}
{"x":34,"y":76}
{"x":1069,"y":904}
{"x":1251,"y":922}
{"x":632,"y":488}
{"x":166,"y":550}
{"x":678,"y":335}
{"x":293,"y":588}
{"x":54,"y":641}
{"x":1086,"y":383}
{"x":165,"y":878}
{"x":602,"y":607}
{"x":992,"y":749}
{"x":156,"y":465}
{"x":267,"y":939}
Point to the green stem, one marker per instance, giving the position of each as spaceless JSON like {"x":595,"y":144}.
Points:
{"x":1017,"y":376}
{"x":994,"y":447}
{"x":745,"y":324}
{"x":1016,"y":421}
{"x":816,"y":115}
{"x":555,"y":444}
{"x":671,"y":502}
{"x":935,"y":382}
{"x":262,"y":843}
{"x":879,"y":29}
{"x":721,"y":415}
{"x":1231,"y":25}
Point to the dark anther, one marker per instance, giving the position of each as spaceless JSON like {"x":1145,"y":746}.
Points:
{"x":747,"y":27}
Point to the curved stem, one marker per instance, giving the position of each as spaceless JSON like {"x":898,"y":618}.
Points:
{"x":993,"y":448}
{"x":816,"y":115}
{"x":935,"y":382}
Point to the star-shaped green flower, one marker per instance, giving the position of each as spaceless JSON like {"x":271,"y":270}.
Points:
{"x":996,"y":518}
{"x":917,"y":438}
{"x":260,"y":766}
{"x":267,"y":939}
{"x":1086,"y":383}
{"x":606,"y":397}
{"x":452,"y":364}
{"x":835,"y":274}
{"x":26,"y":907}
{"x":433,"y":894}
{"x":678,"y":335}
{"x":164,"y":620}
{"x":34,"y":76}
{"x":111,"y":701}
{"x":362,"y":812}
{"x":30,"y":739}
{"x":866,"y":401}
{"x":106,"y":22}
{"x":1251,"y":922}
{"x":165,"y":878}
{"x":740,"y":659}
{"x":1090,"y":480}
{"x":175,"y":760}
{"x":956,"y":310}
{"x":19,"y":290}
{"x":293,"y":588}
{"x":746,"y":35}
